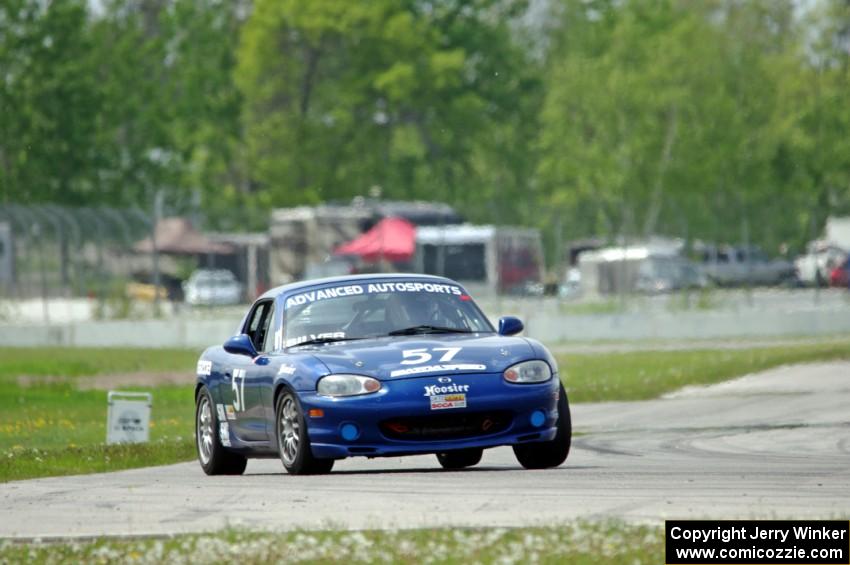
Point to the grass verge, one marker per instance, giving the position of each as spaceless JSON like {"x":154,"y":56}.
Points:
{"x":32,"y":463}
{"x":50,"y":426}
{"x":578,"y":543}
{"x":88,"y":361}
{"x":643,"y":375}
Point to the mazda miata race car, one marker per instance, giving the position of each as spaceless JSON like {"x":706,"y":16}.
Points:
{"x":376,"y":366}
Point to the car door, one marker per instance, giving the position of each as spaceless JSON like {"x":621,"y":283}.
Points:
{"x":248,"y":376}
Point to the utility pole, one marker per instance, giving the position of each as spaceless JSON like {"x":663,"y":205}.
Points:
{"x":38,"y":237}
{"x":157,"y":215}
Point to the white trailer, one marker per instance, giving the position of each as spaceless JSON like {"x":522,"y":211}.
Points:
{"x":486,"y":259}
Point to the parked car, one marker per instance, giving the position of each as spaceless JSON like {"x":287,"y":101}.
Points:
{"x":145,"y":292}
{"x":212,"y":287}
{"x":736,"y":266}
{"x":376,"y":366}
{"x":815,"y":267}
{"x":840,"y":275}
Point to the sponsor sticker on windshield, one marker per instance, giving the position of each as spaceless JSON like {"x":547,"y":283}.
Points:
{"x":293,"y":341}
{"x":372,"y":288}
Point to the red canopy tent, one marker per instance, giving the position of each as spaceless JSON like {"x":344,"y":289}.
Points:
{"x":393,"y":239}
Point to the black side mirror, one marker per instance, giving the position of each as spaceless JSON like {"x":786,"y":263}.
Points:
{"x":240,"y":345}
{"x":510,"y":325}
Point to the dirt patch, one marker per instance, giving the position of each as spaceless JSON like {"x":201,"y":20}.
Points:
{"x":107,"y":382}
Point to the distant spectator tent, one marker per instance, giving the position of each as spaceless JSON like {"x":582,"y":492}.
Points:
{"x":391,"y":239}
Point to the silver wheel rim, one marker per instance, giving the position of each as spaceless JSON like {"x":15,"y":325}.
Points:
{"x":205,"y":431}
{"x":290,"y":431}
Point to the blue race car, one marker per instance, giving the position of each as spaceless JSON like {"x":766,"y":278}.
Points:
{"x":376,"y":366}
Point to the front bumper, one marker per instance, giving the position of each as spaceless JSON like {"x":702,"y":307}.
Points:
{"x":374,"y":425}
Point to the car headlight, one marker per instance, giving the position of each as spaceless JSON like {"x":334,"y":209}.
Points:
{"x":528,"y":372}
{"x":347,"y":385}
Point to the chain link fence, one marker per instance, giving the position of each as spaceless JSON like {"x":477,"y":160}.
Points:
{"x":51,"y":251}
{"x":82,"y":255}
{"x":95,"y":259}
{"x":60,"y":263}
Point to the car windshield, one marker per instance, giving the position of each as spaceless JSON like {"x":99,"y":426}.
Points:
{"x":357,"y":311}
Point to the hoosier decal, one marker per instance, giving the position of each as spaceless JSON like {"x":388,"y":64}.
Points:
{"x":433,"y":390}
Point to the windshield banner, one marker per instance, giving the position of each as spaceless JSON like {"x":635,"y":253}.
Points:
{"x":372,"y":288}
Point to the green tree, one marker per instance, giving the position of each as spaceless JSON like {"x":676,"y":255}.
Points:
{"x":48,"y":102}
{"x":170,"y":116}
{"x":665,"y":117}
{"x":425,"y":99}
{"x":816,"y":107}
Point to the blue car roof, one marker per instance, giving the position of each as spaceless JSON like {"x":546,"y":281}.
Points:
{"x":277,"y":291}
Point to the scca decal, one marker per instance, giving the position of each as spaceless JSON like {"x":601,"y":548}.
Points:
{"x":445,"y":401}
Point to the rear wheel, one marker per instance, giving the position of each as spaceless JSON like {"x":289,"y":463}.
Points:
{"x":460,"y":458}
{"x":215,"y":459}
{"x":545,"y":454}
{"x":293,"y":443}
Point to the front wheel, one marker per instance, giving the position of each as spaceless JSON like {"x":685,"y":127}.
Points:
{"x":215,"y":459}
{"x":460,"y":458}
{"x":293,"y":443}
{"x":545,"y":454}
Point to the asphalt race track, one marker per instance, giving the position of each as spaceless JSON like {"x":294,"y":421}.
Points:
{"x":771,"y":445}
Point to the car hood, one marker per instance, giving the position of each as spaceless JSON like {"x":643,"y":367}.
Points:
{"x":413,"y":356}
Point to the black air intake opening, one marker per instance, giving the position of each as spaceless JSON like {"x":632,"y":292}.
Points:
{"x":447,"y":426}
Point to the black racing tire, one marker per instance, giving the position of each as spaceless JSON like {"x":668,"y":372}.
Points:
{"x":293,"y":440}
{"x":215,"y":459}
{"x":460,"y":458}
{"x":546,"y":454}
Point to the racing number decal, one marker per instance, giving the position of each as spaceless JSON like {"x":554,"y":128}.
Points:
{"x":417,"y":356}
{"x":238,"y":390}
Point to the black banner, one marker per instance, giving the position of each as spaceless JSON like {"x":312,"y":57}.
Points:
{"x":762,"y":542}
